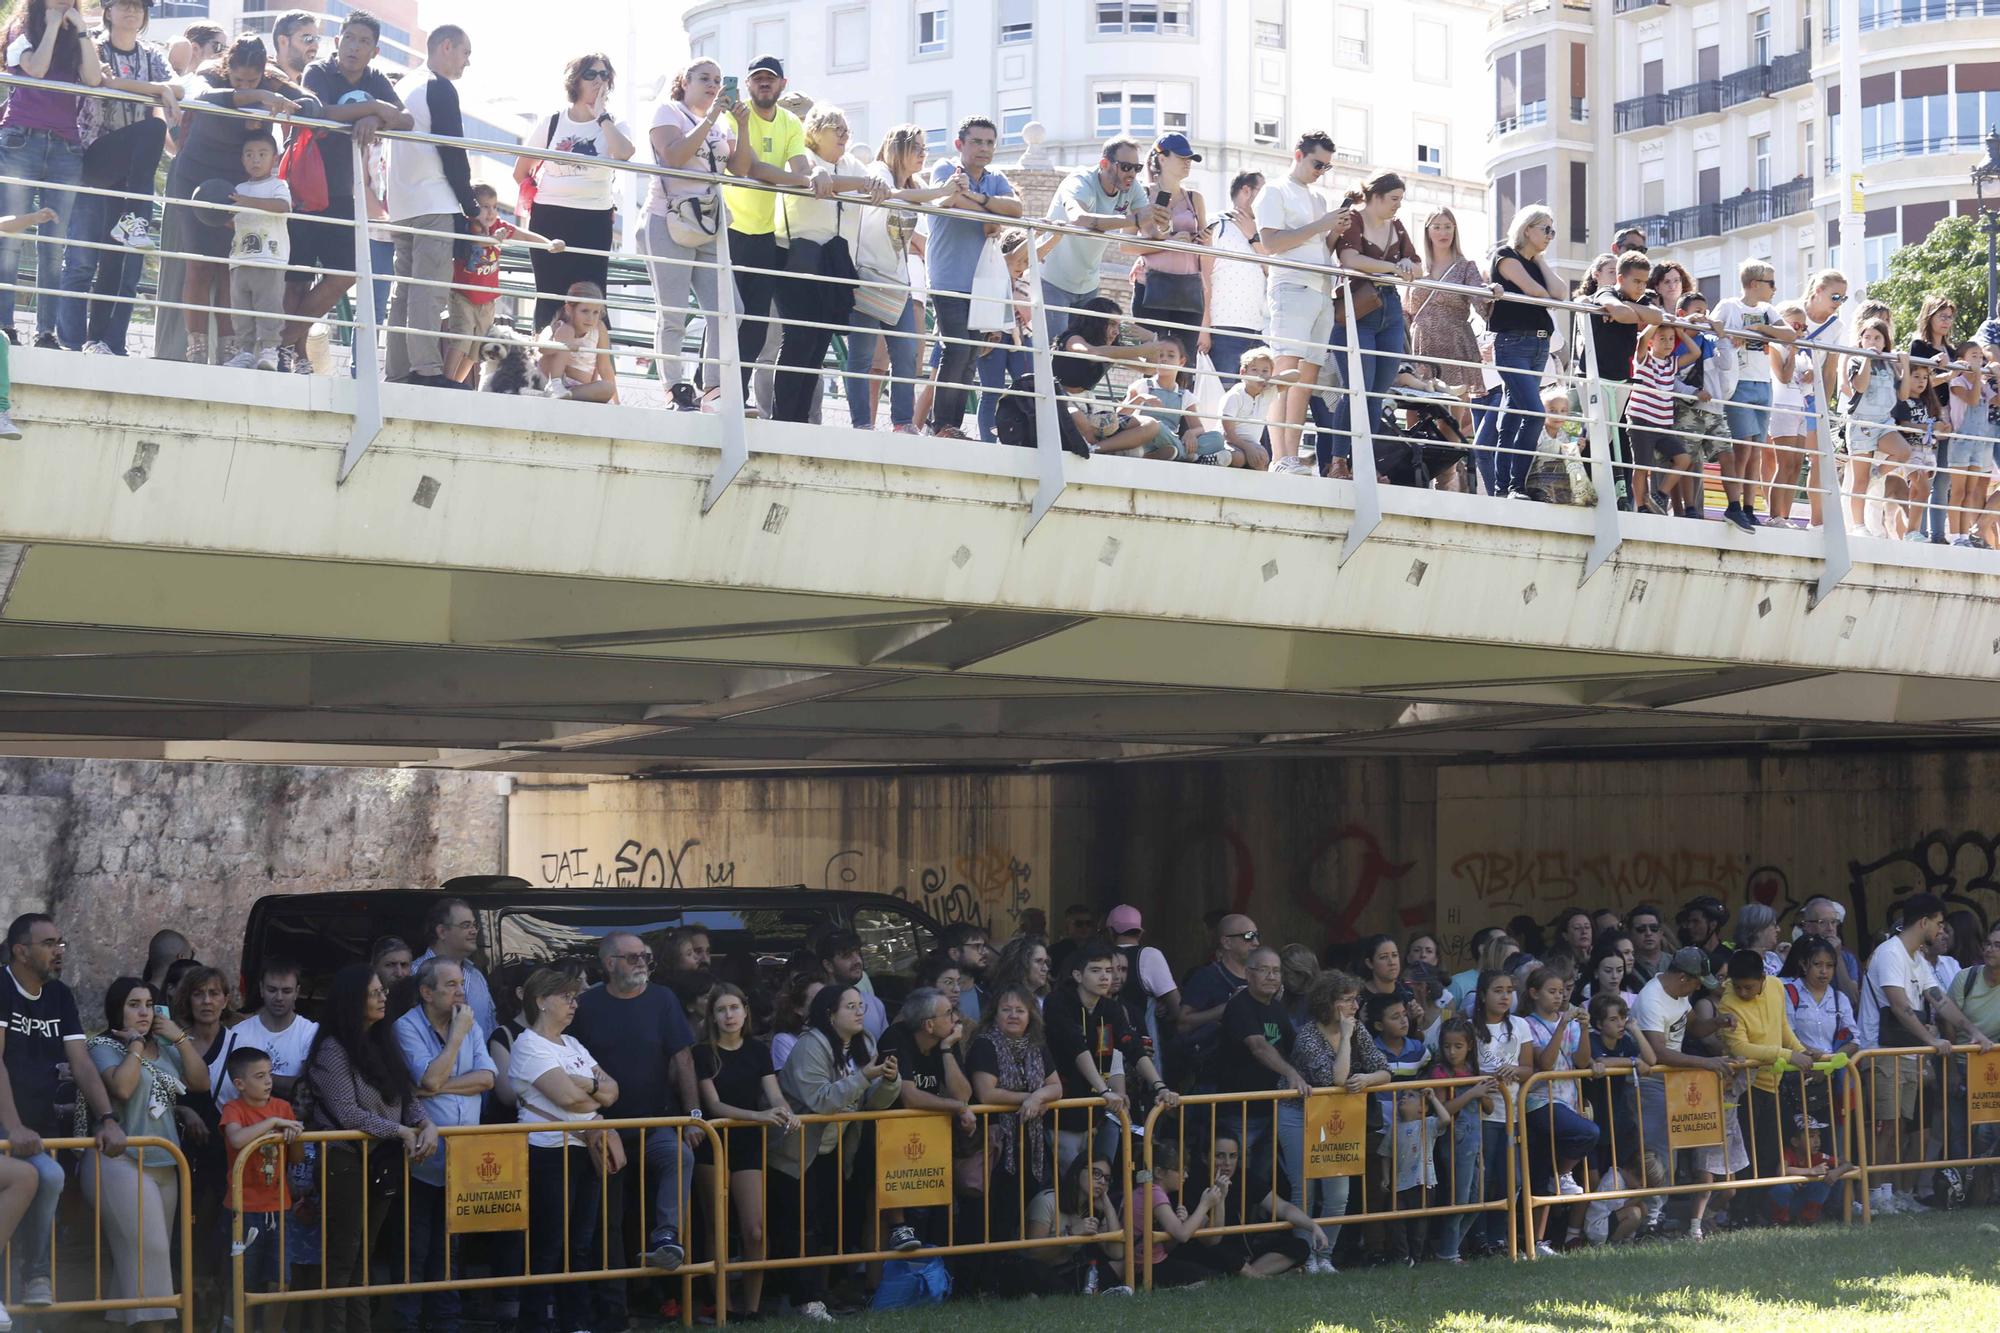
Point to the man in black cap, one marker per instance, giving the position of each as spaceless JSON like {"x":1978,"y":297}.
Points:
{"x":770,"y":147}
{"x":1660,"y":1017}
{"x":1700,"y":924}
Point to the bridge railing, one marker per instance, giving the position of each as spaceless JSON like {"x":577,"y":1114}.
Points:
{"x":1336,"y":406}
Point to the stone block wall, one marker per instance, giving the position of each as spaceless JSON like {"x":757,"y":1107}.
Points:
{"x":115,"y":851}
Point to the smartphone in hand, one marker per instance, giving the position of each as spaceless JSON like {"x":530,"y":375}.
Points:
{"x":730,"y":86}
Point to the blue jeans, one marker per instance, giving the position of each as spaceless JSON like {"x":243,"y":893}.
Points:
{"x":1226,"y":348}
{"x":1520,"y":358}
{"x":562,"y":1236}
{"x":998,"y":369}
{"x":36,"y":155}
{"x":1460,"y":1166}
{"x":1494,"y":1147}
{"x":1749,"y":411}
{"x":87,"y":273}
{"x":1486,"y":410}
{"x":1382,"y":339}
{"x":1937,"y":515}
{"x":1053,"y":296}
{"x":435,"y":1311}
{"x":31,"y":1237}
{"x":1571,"y":1138}
{"x":1329,"y":1196}
{"x":861,"y":390}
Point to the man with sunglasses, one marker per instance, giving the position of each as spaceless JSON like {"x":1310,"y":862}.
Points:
{"x":640,"y":1036}
{"x":355,"y":93}
{"x":1648,"y":929}
{"x":1103,"y":200}
{"x":1293,"y":222}
{"x":1207,"y":992}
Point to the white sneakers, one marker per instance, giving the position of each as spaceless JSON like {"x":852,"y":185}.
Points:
{"x":8,"y":430}
{"x":132,"y":232}
{"x":97,"y":347}
{"x":815,"y":1312}
{"x":1317,"y":1264}
{"x":243,"y":360}
{"x":267,"y":359}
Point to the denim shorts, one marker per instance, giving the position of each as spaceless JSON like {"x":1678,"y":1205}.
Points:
{"x":1963,"y":452}
{"x":1749,"y":412}
{"x":263,"y":1256}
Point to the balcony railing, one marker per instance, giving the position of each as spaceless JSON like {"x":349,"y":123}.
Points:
{"x":1534,"y":113}
{"x":1522,"y":9}
{"x":1920,"y":147}
{"x":1692,"y":224}
{"x":1633,"y":6}
{"x":1695,"y":99}
{"x":1755,"y":207}
{"x":1579,"y":109}
{"x":1640,"y":113}
{"x":1654,"y":225}
{"x":1748,"y":85}
{"x":1898,"y":13}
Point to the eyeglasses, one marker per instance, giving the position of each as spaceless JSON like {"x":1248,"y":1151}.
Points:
{"x":642,"y":956}
{"x":1838,"y":297}
{"x":1265,"y":971}
{"x":1547,"y":228}
{"x":1653,"y":929}
{"x":1127,"y":167}
{"x":593,"y":74}
{"x":1249,"y":935}
{"x":53,"y":944}
{"x":1319,"y":166}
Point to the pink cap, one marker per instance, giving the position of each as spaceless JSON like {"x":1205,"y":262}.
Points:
{"x":1124,"y":919}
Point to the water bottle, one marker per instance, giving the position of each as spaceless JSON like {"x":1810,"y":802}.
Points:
{"x":1090,"y":1279}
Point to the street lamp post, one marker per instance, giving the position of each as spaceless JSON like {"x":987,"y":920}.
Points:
{"x":1988,"y":172}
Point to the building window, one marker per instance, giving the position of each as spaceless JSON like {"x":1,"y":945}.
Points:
{"x":1760,"y":38}
{"x":1350,"y":36}
{"x":933,"y":27}
{"x":1017,"y":21}
{"x":1012,"y":121}
{"x":1433,"y":63}
{"x":1760,"y":162}
{"x":1875,"y":252}
{"x":1926,"y":127}
{"x":1350,"y":134}
{"x":847,"y":39}
{"x":767,"y":38}
{"x":702,"y":46}
{"x":1977,"y":112}
{"x":1266,"y":118}
{"x":1430,"y":148}
{"x":934,"y":114}
{"x":1267,"y":23}
{"x":1142,"y":110}
{"x":1145,"y":18}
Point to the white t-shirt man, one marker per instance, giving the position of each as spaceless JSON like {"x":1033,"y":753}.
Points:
{"x":1752,"y":364}
{"x":1657,"y":1011}
{"x":1894,"y":965}
{"x":533,"y":1056}
{"x":287,"y":1049}
{"x":1286,"y":205}
{"x":262,"y":237}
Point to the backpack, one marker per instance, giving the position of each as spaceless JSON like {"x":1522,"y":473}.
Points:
{"x":907,"y":1283}
{"x":303,"y":169}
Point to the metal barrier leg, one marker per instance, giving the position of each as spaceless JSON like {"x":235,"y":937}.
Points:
{"x":1049,"y":481}
{"x":735,"y":447}
{"x":1361,"y":459}
{"x":367,"y":380}
{"x":1597,"y":421}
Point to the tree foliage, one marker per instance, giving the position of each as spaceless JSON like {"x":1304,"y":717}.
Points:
{"x":1950,"y":262}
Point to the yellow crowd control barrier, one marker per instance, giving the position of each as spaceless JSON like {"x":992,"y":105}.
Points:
{"x":488,"y":1189}
{"x":124,"y":1265}
{"x":1681,"y":1110}
{"x":1332,"y":1134}
{"x":1925,"y":1112}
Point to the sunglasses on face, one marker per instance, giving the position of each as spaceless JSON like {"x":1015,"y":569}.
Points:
{"x":1249,"y":935}
{"x":1318,"y":166}
{"x":591,"y":74}
{"x":1127,"y":167}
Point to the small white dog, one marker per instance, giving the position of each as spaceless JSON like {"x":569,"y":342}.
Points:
{"x":508,"y":363}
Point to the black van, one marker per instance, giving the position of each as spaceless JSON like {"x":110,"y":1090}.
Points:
{"x":752,"y":932}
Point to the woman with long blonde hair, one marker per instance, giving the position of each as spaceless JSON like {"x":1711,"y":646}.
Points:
{"x":886,"y":307}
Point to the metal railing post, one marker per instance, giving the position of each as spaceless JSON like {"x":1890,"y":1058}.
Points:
{"x":367,"y":375}
{"x":1049,"y":478}
{"x":1836,"y":559}
{"x":1361,"y":458}
{"x":735,"y":448}
{"x":1597,"y":422}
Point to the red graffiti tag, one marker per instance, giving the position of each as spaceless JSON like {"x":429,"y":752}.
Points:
{"x":1375,"y":870}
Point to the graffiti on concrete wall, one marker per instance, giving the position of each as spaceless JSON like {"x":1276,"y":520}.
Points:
{"x":1497,"y":884}
{"x":987,"y":888}
{"x":636,"y":865}
{"x":1961,"y":868}
{"x":1344,"y":877}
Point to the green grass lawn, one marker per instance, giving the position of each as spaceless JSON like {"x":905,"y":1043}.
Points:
{"x":1900,"y":1275}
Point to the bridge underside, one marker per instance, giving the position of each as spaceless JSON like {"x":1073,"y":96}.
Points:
{"x":534,"y":586}
{"x":147,"y":654}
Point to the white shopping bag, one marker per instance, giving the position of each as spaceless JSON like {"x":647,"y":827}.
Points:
{"x":992,"y":293}
{"x":1207,"y":388}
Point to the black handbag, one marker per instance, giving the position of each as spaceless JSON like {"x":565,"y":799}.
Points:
{"x":828,"y":302}
{"x":1174,"y":293}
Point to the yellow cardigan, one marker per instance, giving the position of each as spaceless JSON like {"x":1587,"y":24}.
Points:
{"x":1763,"y":1030}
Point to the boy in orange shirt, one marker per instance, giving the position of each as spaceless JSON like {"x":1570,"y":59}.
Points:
{"x":264,"y":1198}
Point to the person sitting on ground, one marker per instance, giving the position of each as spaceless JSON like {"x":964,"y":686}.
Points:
{"x":1163,"y":397}
{"x":1017,"y":421}
{"x":1802,"y":1204}
{"x":1082,"y":1206}
{"x":1161,"y":1218}
{"x":1248,"y":1198}
{"x":1247,"y":407}
{"x":581,"y":369}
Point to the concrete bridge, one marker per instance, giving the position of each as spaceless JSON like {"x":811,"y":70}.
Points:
{"x":520,"y":584}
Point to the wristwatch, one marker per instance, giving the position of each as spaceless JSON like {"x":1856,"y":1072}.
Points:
{"x":695,"y":1113}
{"x":112,"y":1116}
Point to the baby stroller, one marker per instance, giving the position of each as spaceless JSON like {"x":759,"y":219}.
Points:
{"x":1429,"y":445}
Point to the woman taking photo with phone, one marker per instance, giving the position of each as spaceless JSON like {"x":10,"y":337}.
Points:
{"x":573,"y":202}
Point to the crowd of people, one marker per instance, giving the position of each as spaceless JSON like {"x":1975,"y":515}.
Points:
{"x":1235,"y":350}
{"x":1060,"y":1040}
